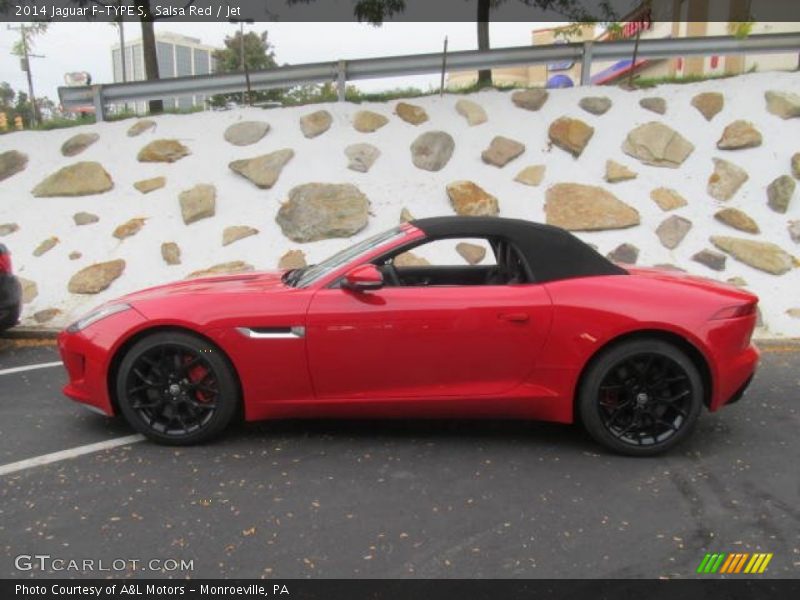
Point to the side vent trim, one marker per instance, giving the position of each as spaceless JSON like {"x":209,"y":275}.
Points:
{"x":273,"y":333}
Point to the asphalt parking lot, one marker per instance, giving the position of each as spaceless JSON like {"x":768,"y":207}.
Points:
{"x":394,"y":499}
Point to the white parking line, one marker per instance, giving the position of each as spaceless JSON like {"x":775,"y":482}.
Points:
{"x":30,"y":368}
{"x":46,"y":459}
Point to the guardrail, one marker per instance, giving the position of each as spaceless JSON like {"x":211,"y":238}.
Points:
{"x":343,"y":71}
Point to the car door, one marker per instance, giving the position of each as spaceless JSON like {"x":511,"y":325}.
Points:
{"x":425,"y":340}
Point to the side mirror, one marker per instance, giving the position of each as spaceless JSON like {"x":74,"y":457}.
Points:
{"x":363,"y":279}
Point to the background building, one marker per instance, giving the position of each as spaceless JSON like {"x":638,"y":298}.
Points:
{"x":696,"y":66}
{"x":178,"y":56}
{"x":533,"y":75}
{"x":676,"y":19}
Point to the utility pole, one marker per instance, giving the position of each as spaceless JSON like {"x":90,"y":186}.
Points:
{"x":247,"y":95}
{"x":26,"y":66}
{"x":244,"y":64}
{"x":633,"y":60}
{"x":122,"y":51}
{"x":444,"y":68}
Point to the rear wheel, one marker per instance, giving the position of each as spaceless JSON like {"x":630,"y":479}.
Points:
{"x":641,"y":397}
{"x":176,"y":389}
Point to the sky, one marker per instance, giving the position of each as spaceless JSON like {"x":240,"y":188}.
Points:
{"x":71,"y":47}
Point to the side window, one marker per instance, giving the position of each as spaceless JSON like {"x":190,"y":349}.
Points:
{"x":454,"y":262}
{"x":451,"y":252}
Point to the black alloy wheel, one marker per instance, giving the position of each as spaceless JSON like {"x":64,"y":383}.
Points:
{"x":176,"y":389}
{"x":641,"y":397}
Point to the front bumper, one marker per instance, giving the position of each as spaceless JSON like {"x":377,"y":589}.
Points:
{"x":87,"y":355}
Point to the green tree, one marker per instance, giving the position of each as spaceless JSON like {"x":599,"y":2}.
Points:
{"x":18,"y":104}
{"x":258,"y":54}
{"x":32,"y":31}
{"x":22,"y":48}
{"x":15,"y":104}
{"x":6,"y":96}
{"x":21,"y":105}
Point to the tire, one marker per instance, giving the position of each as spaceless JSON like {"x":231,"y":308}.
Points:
{"x":11,"y":296}
{"x":9,"y":320}
{"x":641,"y":397}
{"x":177,"y":389}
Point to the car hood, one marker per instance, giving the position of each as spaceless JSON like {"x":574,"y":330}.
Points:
{"x":222,"y":285}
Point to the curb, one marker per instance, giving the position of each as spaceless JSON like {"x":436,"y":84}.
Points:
{"x":30,"y":333}
{"x":775,"y":343}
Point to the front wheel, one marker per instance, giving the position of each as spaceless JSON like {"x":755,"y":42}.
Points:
{"x":641,"y":397}
{"x":176,"y":389}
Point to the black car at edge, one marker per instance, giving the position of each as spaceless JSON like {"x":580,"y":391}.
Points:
{"x":10,"y":292}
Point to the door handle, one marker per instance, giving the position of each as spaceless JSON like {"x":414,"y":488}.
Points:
{"x":519,"y":317}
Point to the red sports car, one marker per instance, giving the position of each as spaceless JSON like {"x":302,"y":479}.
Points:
{"x":533,"y":325}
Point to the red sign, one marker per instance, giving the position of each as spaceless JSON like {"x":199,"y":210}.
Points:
{"x":631,"y":28}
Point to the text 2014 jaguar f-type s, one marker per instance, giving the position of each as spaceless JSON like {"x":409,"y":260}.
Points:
{"x":545,"y":329}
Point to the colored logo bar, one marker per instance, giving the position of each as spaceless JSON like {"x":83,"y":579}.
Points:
{"x":734,"y":562}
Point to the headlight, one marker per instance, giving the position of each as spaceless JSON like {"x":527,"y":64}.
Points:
{"x":97,"y":315}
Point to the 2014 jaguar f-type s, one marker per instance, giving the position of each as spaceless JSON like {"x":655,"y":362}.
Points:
{"x":535,"y":324}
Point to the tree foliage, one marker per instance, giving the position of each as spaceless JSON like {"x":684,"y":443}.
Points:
{"x":32,"y":31}
{"x":741,"y":29}
{"x":259,"y":54}
{"x":374,"y":12}
{"x":17,"y":103}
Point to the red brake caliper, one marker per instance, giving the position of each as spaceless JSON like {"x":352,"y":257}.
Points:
{"x":609,"y":399}
{"x":196,"y":374}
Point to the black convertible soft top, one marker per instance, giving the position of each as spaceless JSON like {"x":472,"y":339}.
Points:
{"x":551,"y":253}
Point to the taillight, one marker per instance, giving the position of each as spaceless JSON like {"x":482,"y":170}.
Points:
{"x":736,"y":311}
{"x":5,"y":260}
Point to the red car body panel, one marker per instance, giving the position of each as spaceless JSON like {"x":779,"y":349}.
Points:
{"x":514,"y":351}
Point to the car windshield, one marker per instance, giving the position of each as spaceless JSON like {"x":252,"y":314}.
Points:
{"x":308,"y":275}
